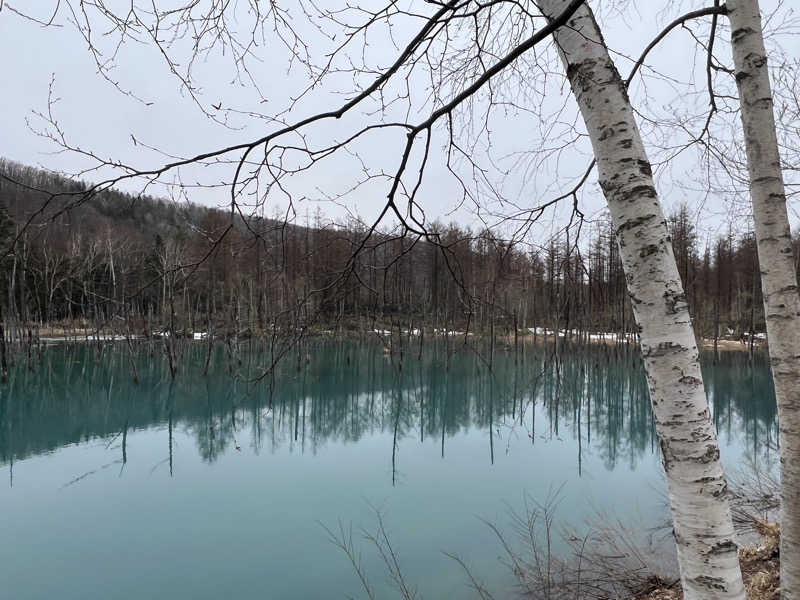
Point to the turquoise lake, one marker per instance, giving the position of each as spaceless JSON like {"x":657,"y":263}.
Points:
{"x":207,"y":487}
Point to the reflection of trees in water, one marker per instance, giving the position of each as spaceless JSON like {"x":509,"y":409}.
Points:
{"x":594,"y":396}
{"x":743,"y":397}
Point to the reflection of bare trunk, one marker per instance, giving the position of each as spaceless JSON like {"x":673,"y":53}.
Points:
{"x":703,"y":527}
{"x":491,"y":340}
{"x":491,"y":421}
{"x":169,"y":425}
{"x":398,"y":401}
{"x":125,"y":444}
{"x":778,"y":275}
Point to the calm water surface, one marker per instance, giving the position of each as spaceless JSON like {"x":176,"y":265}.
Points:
{"x":209,"y":487}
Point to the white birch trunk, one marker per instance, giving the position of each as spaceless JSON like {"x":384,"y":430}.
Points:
{"x":707,"y":553}
{"x":778,"y":276}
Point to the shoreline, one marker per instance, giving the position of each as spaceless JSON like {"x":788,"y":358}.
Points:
{"x":59,"y":335}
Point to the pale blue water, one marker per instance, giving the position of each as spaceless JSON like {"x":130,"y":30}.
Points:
{"x":210,"y":487}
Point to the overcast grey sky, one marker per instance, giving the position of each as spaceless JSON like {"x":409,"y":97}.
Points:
{"x":94,"y":115}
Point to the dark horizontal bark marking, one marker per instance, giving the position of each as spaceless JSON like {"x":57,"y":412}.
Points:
{"x":740,"y":33}
{"x":634,"y":223}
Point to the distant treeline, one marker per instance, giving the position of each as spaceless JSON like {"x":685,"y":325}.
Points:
{"x":137,"y":264}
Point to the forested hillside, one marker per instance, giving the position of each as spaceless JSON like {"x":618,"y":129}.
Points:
{"x":138,"y":264}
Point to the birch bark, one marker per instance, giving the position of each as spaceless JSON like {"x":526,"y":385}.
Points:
{"x":778,"y":276}
{"x":707,"y":553}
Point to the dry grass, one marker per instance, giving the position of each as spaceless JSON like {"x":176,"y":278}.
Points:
{"x":608,"y":558}
{"x":612,"y":561}
{"x":615,"y":560}
{"x":760,"y":569}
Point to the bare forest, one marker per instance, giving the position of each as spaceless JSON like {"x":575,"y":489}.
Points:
{"x":123,"y":265}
